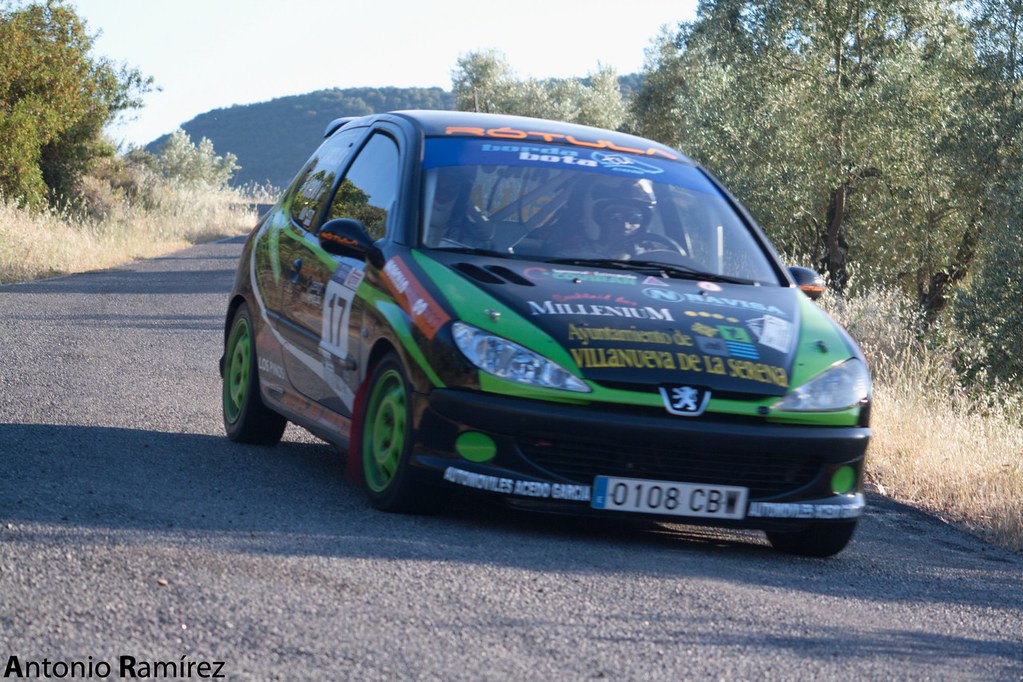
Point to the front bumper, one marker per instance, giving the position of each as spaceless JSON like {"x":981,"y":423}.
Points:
{"x":547,"y":455}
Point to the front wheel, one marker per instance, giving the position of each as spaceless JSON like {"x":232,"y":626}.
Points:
{"x":246,"y":418}
{"x":816,"y":540}
{"x":385,"y":440}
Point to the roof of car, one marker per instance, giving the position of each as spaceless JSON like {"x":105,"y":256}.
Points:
{"x":533,"y":130}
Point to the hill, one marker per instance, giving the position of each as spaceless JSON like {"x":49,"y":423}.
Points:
{"x":273,"y":139}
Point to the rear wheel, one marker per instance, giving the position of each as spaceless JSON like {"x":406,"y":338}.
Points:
{"x":816,"y":540}
{"x":386,"y":440}
{"x":246,"y":418}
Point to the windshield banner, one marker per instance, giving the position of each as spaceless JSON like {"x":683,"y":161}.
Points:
{"x":462,"y":152}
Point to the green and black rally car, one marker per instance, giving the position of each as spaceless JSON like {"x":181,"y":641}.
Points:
{"x":569,"y":318}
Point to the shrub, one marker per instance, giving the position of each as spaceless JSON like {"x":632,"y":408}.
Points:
{"x":193,"y":164}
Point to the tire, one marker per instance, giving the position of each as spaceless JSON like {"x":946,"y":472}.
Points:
{"x":385,"y":440}
{"x":246,"y":418}
{"x":816,"y":540}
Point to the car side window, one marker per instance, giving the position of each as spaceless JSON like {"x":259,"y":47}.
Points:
{"x":319,"y":175}
{"x":370,"y":188}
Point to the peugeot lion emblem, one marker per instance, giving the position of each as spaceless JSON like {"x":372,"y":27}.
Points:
{"x":686,"y":401}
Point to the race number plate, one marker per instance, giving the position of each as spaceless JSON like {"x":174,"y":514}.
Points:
{"x":664,"y":497}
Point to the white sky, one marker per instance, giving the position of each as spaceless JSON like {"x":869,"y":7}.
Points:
{"x":208,"y":54}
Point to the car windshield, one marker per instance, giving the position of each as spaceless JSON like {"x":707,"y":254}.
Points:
{"x":572,"y":204}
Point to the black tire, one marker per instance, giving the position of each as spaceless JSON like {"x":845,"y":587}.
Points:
{"x":385,"y":441}
{"x":816,"y":540}
{"x":246,"y":418}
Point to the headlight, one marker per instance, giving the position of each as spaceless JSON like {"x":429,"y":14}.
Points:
{"x":508,"y":360}
{"x":837,"y":388}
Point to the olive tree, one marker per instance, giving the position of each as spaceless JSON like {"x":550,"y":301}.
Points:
{"x":987,"y":308}
{"x":483,"y":81}
{"x":845,"y":126}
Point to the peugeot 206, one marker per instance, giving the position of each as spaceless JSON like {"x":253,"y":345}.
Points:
{"x":568,"y":318}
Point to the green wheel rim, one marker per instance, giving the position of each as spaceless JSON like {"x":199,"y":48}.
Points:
{"x":383,"y":437}
{"x":236,"y":373}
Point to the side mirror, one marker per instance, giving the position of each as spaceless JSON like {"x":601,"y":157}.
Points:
{"x":808,"y":281}
{"x":348,"y":237}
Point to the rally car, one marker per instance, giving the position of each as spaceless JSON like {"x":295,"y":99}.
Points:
{"x":568,"y":318}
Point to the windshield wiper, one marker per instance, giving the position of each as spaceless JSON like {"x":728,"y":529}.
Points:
{"x":665,"y":269}
{"x":685,"y":272}
{"x":608,"y":263}
{"x":476,"y":251}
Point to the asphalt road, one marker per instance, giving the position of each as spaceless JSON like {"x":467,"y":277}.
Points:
{"x":132,"y":530}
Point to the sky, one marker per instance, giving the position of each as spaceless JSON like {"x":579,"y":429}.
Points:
{"x":210,"y":54}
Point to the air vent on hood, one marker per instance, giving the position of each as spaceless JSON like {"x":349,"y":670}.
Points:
{"x":493,"y":274}
{"x":510,"y":275}
{"x":478,"y":273}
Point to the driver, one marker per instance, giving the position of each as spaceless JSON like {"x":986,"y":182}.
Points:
{"x":609,"y":219}
{"x":623,"y":214}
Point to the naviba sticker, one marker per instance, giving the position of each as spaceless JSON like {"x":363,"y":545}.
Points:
{"x":665,"y":295}
{"x":704,"y":299}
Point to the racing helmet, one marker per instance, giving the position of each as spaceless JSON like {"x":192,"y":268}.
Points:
{"x":623,"y":209}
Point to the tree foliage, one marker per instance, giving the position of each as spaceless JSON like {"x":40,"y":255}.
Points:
{"x":988,"y":311}
{"x":845,"y":126}
{"x":55,"y":98}
{"x":483,"y":81}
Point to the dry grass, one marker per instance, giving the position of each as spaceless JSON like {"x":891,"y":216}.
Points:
{"x":35,"y":245}
{"x":935,"y":446}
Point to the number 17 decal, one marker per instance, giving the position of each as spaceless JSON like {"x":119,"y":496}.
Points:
{"x":337,"y":313}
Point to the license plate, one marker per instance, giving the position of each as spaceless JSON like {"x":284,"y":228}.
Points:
{"x":665,"y":497}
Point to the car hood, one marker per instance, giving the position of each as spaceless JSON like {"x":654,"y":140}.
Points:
{"x":632,"y":329}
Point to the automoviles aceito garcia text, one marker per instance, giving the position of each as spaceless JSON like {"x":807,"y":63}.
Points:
{"x":125,"y":667}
